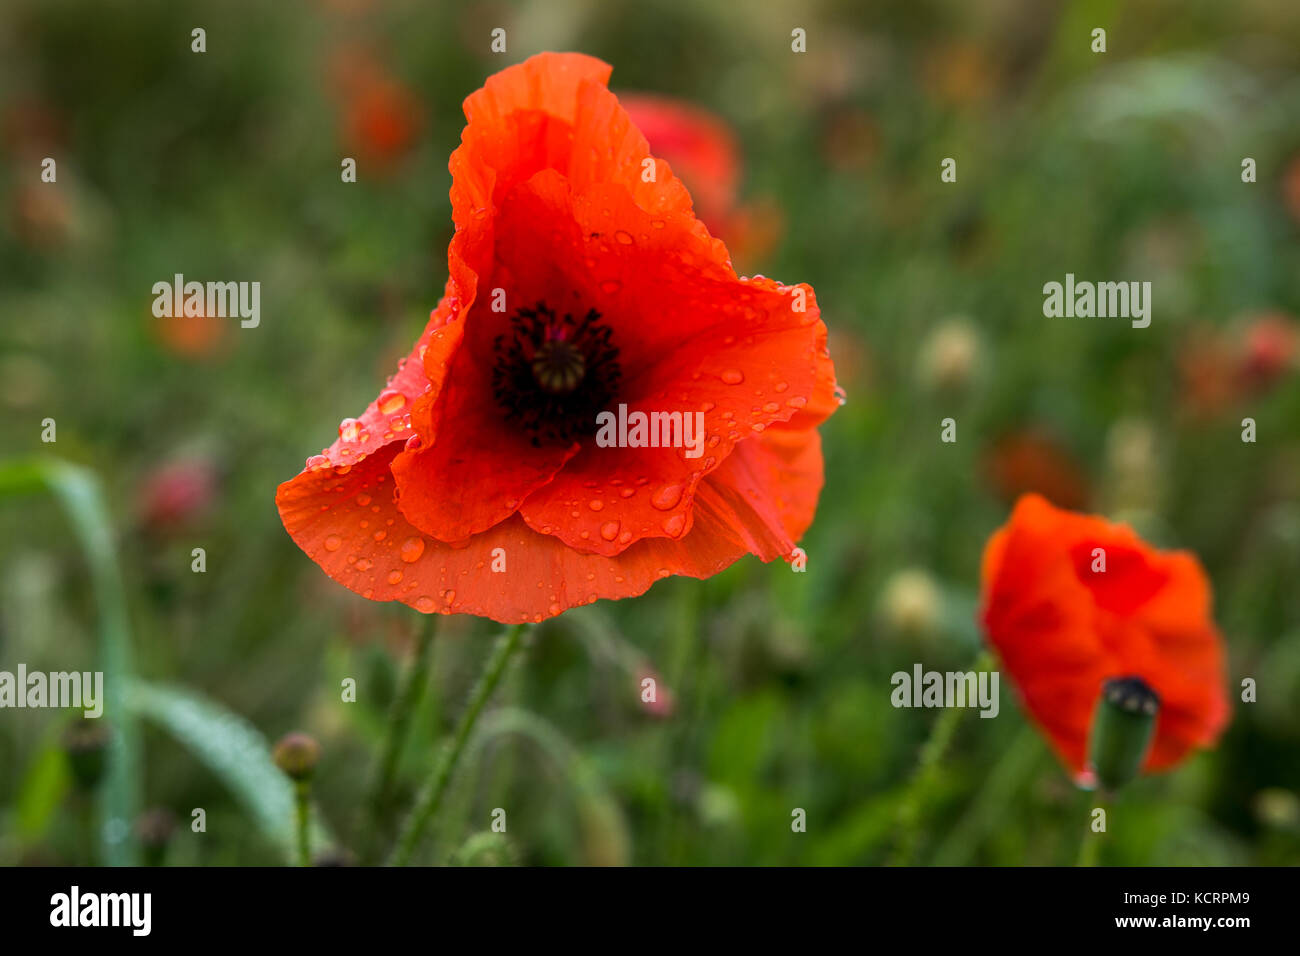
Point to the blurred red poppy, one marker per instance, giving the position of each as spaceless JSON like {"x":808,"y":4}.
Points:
{"x":1071,"y":600}
{"x":703,"y":152}
{"x":1030,"y":460}
{"x":176,"y":492}
{"x":580,"y":280}
{"x":380,"y":117}
{"x":1271,"y":344}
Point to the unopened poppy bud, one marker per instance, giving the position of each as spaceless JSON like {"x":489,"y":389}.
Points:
{"x":154,"y":829}
{"x":296,"y":754}
{"x":1122,"y":727}
{"x":334,"y":857}
{"x":86,"y":744}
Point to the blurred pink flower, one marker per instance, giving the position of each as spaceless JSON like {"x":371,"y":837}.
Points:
{"x":177,"y":492}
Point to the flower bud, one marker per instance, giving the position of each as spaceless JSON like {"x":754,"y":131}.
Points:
{"x":1122,"y":727}
{"x":86,"y":744}
{"x":154,"y":829}
{"x":296,"y":754}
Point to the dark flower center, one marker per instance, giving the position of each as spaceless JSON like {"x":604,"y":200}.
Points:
{"x":554,"y":373}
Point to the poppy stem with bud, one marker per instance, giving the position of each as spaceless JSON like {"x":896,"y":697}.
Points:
{"x":1123,"y":726}
{"x":297,"y":754}
{"x":435,"y":788}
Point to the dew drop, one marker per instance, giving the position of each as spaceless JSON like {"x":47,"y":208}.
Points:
{"x":333,"y":543}
{"x":390,"y":402}
{"x":609,"y":530}
{"x":595,"y":504}
{"x":611,"y":286}
{"x":624,"y":237}
{"x":412,"y":549}
{"x":394,"y":577}
{"x":424,"y":604}
{"x":674,"y":525}
{"x":667,"y":497}
{"x":732,"y":376}
{"x":348,"y":429}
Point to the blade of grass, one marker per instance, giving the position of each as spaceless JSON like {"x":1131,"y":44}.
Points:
{"x":78,"y":491}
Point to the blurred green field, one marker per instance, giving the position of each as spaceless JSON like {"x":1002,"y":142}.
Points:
{"x":225,"y":165}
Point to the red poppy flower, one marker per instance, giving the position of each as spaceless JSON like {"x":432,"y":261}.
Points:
{"x":580,"y":281}
{"x":1061,"y":628}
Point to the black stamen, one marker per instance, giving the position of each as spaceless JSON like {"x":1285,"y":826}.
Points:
{"x":554,"y":374}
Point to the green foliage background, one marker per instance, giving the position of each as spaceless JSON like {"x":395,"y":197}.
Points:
{"x":225,"y":165}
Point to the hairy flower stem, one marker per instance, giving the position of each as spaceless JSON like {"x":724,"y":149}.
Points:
{"x":916,"y":797}
{"x":302,"y":813}
{"x":435,"y":788}
{"x":403,"y":709}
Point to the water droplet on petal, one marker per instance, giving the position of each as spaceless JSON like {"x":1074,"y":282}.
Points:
{"x":412,"y":549}
{"x":595,"y":504}
{"x":667,"y":497}
{"x":390,"y":402}
{"x":333,"y":543}
{"x":732,"y":376}
{"x":394,"y":577}
{"x":611,"y":286}
{"x":424,"y":604}
{"x":674,"y":525}
{"x":348,"y":429}
{"x":609,"y":530}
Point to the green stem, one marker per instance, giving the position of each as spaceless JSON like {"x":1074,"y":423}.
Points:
{"x":435,"y":788}
{"x":913,"y":804}
{"x":302,"y":811}
{"x":1090,"y":847}
{"x":408,"y":699}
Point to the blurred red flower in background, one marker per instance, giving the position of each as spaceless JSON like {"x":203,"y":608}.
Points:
{"x":379,"y":116}
{"x":579,"y":279}
{"x":1220,"y":367}
{"x":704,"y":153}
{"x":1062,"y":626}
{"x":177,"y":492}
{"x":1030,"y":460}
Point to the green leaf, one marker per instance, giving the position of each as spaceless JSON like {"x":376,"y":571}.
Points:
{"x":235,"y":751}
{"x":78,"y":491}
{"x":41,"y":791}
